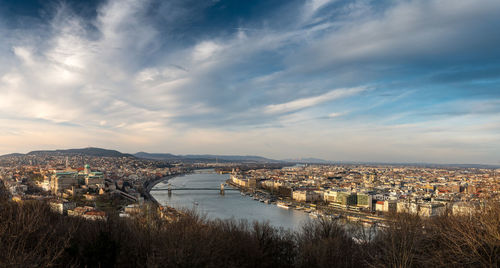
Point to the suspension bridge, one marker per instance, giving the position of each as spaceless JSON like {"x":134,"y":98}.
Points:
{"x":171,"y":189}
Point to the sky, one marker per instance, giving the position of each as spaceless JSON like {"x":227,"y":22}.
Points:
{"x":384,"y":81}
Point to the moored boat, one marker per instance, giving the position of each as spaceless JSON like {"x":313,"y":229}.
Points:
{"x":283,"y":205}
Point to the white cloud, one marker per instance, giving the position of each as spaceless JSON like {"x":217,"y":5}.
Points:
{"x":205,"y":50}
{"x":312,"y":101}
{"x":313,"y":6}
{"x":333,"y":115}
{"x":248,"y":90}
{"x":24,"y":54}
{"x":408,"y":32}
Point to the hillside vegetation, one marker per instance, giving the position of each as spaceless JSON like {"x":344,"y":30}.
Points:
{"x":31,"y":235}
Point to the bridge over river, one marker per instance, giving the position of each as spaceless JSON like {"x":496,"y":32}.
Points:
{"x":192,"y":189}
{"x":170,"y":189}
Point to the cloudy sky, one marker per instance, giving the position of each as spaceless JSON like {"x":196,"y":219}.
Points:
{"x":393,"y":81}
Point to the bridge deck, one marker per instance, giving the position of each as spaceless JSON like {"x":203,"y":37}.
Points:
{"x":193,"y":189}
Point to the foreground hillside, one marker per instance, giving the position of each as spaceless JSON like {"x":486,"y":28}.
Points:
{"x":31,"y":235}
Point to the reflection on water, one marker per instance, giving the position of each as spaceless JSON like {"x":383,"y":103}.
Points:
{"x":230,"y":205}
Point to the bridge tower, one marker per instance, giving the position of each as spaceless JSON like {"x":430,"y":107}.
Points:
{"x":169,"y":190}
{"x":222,"y":188}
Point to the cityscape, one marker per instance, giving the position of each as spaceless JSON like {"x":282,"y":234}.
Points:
{"x":82,"y":180}
{"x":264,"y":133}
{"x":100,"y":186}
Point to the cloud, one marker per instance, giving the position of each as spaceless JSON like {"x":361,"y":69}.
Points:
{"x":313,"y":6}
{"x":312,"y":101}
{"x":187,"y":75}
{"x":333,"y":115}
{"x":409,"y":33}
{"x":24,"y":54}
{"x":205,"y":50}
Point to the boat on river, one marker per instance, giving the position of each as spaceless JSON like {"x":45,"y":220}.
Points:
{"x":283,"y":205}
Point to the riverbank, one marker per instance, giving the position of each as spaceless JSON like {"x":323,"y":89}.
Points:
{"x":167,"y":212}
{"x":312,"y":209}
{"x":148,"y":185}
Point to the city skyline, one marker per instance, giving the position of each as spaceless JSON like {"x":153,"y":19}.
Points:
{"x":371,"y":81}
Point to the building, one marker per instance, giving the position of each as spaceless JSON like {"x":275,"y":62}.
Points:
{"x":95,"y":215}
{"x":464,"y":208}
{"x":364,"y":201}
{"x":306,"y":195}
{"x":361,"y":200}
{"x":93,"y":178}
{"x":63,"y":180}
{"x":347,"y":199}
{"x":330,"y":196}
{"x":61,"y":206}
{"x":88,"y":213}
{"x":431,"y":209}
{"x":379,"y":206}
{"x":388,"y":206}
{"x":241,"y":181}
{"x":44,"y":184}
{"x":79,"y":211}
{"x":403,"y":206}
{"x":422,"y":209}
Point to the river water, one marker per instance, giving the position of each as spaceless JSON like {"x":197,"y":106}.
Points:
{"x":230,"y":205}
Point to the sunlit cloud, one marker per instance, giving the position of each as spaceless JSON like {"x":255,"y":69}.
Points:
{"x":312,"y":101}
{"x":353,"y":80}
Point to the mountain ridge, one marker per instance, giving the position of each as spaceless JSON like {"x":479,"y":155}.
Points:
{"x":90,"y":151}
{"x":204,"y":157}
{"x":100,"y":152}
{"x":308,"y":160}
{"x":94,"y":151}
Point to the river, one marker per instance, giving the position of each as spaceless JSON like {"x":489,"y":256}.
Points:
{"x":230,"y":205}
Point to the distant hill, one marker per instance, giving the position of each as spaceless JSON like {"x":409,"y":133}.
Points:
{"x":243,"y":158}
{"x":91,"y":151}
{"x":308,"y":160}
{"x":99,"y":152}
{"x":12,"y":155}
{"x":156,"y":156}
{"x":205,"y":157}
